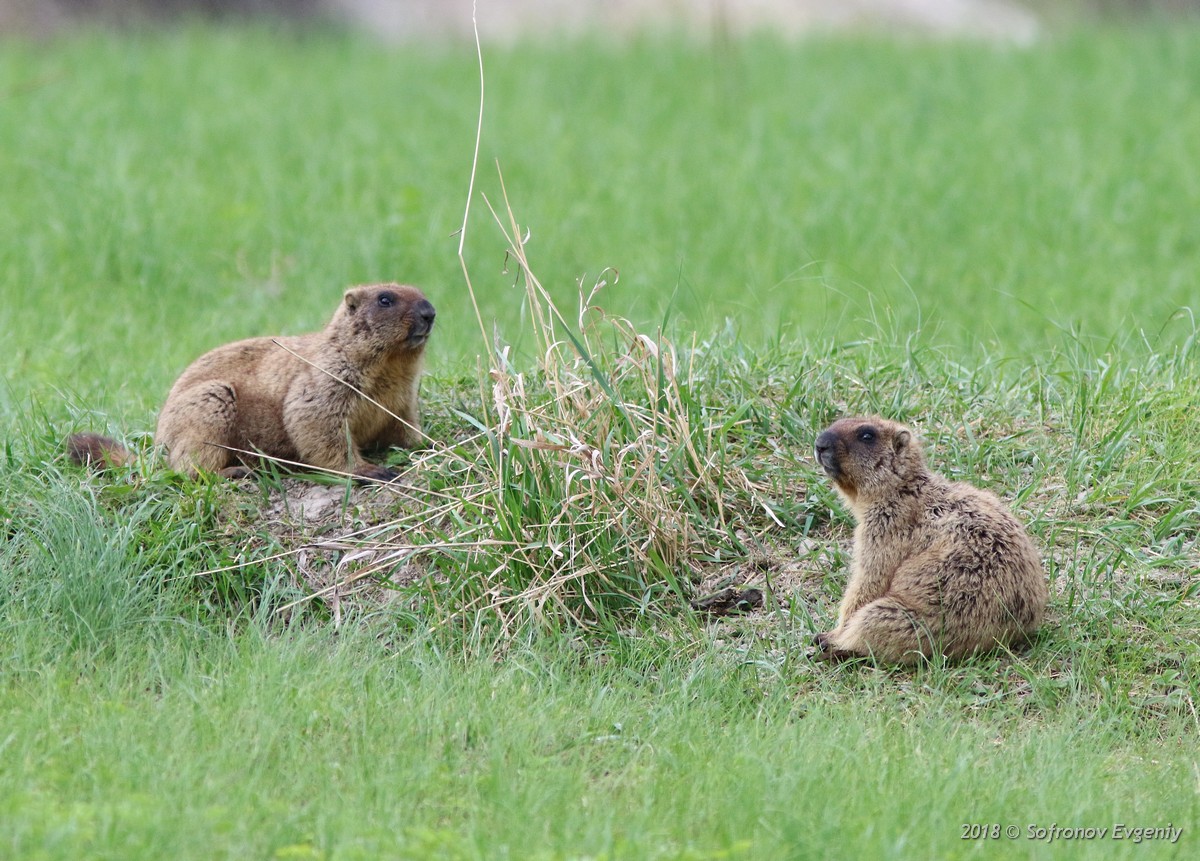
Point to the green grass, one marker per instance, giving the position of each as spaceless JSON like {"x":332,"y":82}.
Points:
{"x":306,"y":747}
{"x":993,"y":244}
{"x":999,"y":198}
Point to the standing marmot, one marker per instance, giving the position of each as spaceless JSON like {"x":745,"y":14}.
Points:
{"x":938,"y":566}
{"x":263,"y":395}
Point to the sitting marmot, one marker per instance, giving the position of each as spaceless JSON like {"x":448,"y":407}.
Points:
{"x":938,"y":567}
{"x":319,"y":400}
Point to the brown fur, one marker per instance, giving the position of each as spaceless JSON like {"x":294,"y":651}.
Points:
{"x":92,"y":449}
{"x":938,"y":567}
{"x":263,"y":395}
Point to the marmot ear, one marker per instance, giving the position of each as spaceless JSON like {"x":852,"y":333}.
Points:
{"x":902,"y":440}
{"x":352,"y":300}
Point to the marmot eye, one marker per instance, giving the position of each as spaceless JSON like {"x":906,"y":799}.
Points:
{"x":866,"y":435}
{"x":386,"y":300}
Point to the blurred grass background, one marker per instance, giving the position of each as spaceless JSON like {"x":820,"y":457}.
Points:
{"x":168,"y":191}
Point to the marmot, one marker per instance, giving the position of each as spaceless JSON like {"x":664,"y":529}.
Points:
{"x":308,"y":399}
{"x":938,"y":567}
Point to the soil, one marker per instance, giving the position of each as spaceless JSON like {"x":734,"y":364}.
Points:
{"x":340,"y":543}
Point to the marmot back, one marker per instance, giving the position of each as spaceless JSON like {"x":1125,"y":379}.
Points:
{"x":938,"y":567}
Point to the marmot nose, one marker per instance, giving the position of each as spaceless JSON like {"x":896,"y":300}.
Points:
{"x":426,"y":312}
{"x":825,"y":452}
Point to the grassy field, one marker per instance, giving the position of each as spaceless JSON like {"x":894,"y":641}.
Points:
{"x":994,"y":244}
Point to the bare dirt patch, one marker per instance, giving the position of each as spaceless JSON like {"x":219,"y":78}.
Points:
{"x":341,"y":543}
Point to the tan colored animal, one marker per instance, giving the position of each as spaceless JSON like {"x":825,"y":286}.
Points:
{"x":938,"y":567}
{"x":306,"y":399}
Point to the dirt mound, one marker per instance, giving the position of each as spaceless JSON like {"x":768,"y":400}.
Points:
{"x":341,"y":544}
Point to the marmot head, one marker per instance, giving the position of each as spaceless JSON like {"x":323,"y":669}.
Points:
{"x":866,"y":455}
{"x":390,"y":316}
